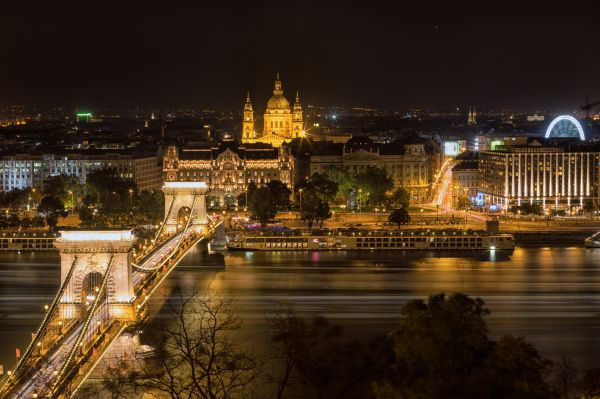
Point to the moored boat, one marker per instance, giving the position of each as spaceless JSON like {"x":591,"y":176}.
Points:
{"x":372,"y":240}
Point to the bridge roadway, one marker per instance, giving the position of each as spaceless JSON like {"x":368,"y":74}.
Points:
{"x":155,"y":264}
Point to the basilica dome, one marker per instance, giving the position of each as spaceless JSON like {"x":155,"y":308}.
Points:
{"x":278,"y":102}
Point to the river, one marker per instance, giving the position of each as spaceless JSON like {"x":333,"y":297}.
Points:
{"x":549,"y":295}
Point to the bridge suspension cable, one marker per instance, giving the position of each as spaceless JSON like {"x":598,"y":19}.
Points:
{"x":42,"y":330}
{"x":102,"y":294}
{"x":162,"y":225}
{"x":181,"y":238}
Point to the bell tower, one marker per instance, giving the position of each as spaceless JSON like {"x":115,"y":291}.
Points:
{"x":297,"y":122}
{"x":248,"y":122}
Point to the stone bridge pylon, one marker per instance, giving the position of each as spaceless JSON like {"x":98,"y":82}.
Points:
{"x":183,"y":200}
{"x":85,"y":257}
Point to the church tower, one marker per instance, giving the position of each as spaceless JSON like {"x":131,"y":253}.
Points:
{"x":472,"y":117}
{"x":278,"y":115}
{"x":297,"y":122}
{"x":248,"y":122}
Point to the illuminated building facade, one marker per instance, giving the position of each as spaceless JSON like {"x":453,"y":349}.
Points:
{"x":228,"y":168}
{"x":554,"y":176}
{"x":282,"y":123}
{"x":465,"y":181}
{"x":411,"y":164}
{"x":31,"y":170}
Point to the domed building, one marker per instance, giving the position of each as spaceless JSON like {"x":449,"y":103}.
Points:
{"x":282,"y":123}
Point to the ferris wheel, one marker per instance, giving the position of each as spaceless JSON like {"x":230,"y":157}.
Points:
{"x":565,"y":126}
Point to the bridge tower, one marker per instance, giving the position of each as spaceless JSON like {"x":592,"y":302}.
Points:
{"x":185,"y":199}
{"x":90,"y":254}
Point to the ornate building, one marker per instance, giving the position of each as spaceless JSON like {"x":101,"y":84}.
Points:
{"x":282,"y":123}
{"x":411,"y":163}
{"x":228,"y":168}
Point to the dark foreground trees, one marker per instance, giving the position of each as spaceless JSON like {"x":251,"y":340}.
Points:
{"x":441,"y":349}
{"x":196,"y":355}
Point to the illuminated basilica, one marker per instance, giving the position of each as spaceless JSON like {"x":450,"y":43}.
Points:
{"x":282,"y":123}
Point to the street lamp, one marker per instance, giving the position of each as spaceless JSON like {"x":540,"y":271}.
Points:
{"x":300,"y":192}
{"x":131,"y":199}
{"x":72,"y":200}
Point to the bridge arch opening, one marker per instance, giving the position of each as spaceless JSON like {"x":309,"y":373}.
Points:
{"x":90,"y":287}
{"x":183,"y":215}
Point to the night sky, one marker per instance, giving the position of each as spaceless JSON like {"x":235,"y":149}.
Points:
{"x":366,"y":53}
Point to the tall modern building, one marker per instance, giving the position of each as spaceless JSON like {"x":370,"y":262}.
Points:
{"x":31,"y":170}
{"x":281,"y":122}
{"x":562,"y":174}
{"x":228,"y":168}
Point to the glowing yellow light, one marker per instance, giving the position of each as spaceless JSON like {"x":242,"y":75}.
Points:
{"x":99,"y":235}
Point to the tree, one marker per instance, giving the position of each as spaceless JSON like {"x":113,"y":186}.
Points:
{"x":151,"y":206}
{"x":311,"y":355}
{"x":325,"y":187}
{"x":13,"y":221}
{"x":38,"y":222}
{"x":196,"y":355}
{"x":463,"y":202}
{"x":399,"y":198}
{"x":399,"y":217}
{"x":345,"y":181}
{"x":376,"y":182}
{"x":313,"y":208}
{"x":16,"y":198}
{"x":590,"y":383}
{"x":25,"y":223}
{"x":50,"y":204}
{"x":565,"y":378}
{"x":322,"y":213}
{"x":442,"y":350}
{"x":280,"y":193}
{"x":55,"y":186}
{"x":52,"y":207}
{"x":530,"y":209}
{"x":262,"y":205}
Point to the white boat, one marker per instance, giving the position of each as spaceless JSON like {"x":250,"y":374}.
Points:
{"x":375,"y":240}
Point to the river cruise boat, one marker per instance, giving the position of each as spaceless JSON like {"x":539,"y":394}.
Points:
{"x":373,"y":240}
{"x":27,"y":242}
{"x":593,"y":241}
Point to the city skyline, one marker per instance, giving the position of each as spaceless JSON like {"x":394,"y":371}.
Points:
{"x":384,"y":56}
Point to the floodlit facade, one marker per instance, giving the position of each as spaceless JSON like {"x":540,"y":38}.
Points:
{"x":227,"y":168}
{"x":411,"y":164}
{"x":465,"y":181}
{"x":554,"y":176}
{"x":282,"y":123}
{"x":31,"y":170}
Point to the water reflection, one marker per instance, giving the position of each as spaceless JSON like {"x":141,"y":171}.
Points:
{"x":548,"y":295}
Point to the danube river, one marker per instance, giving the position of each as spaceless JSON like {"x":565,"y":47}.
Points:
{"x":550,"y":296}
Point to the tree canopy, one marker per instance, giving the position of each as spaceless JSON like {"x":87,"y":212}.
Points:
{"x":442,"y":350}
{"x":399,"y":217}
{"x":314,"y":209}
{"x":262,"y":204}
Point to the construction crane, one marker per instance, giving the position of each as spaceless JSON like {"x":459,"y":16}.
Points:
{"x":588,"y":106}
